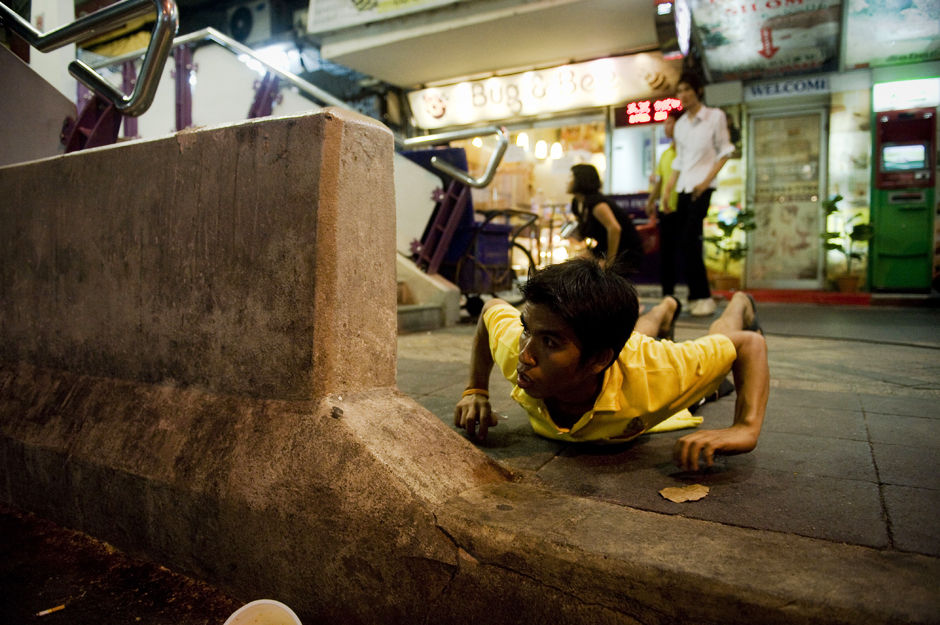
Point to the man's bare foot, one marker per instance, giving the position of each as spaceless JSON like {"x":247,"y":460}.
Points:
{"x":671,"y":309}
{"x":749,"y":316}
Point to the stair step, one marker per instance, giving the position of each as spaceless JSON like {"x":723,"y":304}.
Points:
{"x":419,"y":318}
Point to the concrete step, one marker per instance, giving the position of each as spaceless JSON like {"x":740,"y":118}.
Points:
{"x":419,"y":317}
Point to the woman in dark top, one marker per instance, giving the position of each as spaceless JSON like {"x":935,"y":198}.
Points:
{"x":601,"y":219}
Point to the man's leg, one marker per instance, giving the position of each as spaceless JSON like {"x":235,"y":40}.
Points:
{"x":670,"y":229}
{"x":695,"y":275}
{"x":657,"y":320}
{"x":738,"y":315}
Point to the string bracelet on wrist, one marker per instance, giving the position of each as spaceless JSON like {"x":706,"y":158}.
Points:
{"x":476,"y":391}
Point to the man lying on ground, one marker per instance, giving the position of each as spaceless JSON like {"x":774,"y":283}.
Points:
{"x":587,"y":368}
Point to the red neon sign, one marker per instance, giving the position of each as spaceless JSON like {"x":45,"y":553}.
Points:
{"x":650,"y":111}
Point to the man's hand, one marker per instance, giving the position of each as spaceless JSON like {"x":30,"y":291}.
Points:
{"x":474,"y":410}
{"x":699,"y":189}
{"x":736,"y":439}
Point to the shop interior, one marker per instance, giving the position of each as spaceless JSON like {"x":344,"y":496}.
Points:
{"x":533,"y":178}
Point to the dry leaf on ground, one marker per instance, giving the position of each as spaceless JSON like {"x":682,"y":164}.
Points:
{"x":679,"y":494}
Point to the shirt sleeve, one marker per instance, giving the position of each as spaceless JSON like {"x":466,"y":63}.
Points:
{"x":666,"y":377}
{"x":503,"y":326}
{"x":721,"y":137}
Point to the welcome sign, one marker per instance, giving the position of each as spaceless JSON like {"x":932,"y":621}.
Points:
{"x":814,"y":85}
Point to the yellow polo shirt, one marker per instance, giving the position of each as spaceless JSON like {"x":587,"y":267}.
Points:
{"x":650,"y":381}
{"x":663,"y":173}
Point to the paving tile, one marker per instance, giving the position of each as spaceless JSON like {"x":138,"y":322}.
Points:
{"x":512,"y":442}
{"x":902,"y":405}
{"x":901,"y":430}
{"x":791,"y":442}
{"x":822,"y":422}
{"x":906,"y":465}
{"x":815,"y":456}
{"x":789,"y":397}
{"x":418,"y":377}
{"x":742,"y":492}
{"x":913,"y":513}
{"x":439,"y":405}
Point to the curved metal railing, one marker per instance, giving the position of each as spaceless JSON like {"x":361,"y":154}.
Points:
{"x":156,"y":53}
{"x":324,"y":97}
{"x":213,"y":35}
{"x":103,"y":20}
{"x":447,"y":137}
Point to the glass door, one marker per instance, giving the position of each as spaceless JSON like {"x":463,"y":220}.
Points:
{"x":632,"y":158}
{"x":785,"y":186}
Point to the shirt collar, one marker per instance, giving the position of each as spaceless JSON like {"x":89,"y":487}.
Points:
{"x":608,"y":400}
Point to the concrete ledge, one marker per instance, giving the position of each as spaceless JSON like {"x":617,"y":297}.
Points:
{"x":197,"y":364}
{"x":607,"y":563}
{"x":248,"y":259}
{"x":327,"y":505}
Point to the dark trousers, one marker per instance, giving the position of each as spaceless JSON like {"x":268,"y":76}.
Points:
{"x":680,"y":240}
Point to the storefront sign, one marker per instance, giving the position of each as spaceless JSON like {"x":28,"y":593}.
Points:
{"x":744,"y":39}
{"x":787,"y":88}
{"x":906,"y":94}
{"x":568,"y":87}
{"x":326,"y":16}
{"x":645,"y":112}
{"x":882,"y":33}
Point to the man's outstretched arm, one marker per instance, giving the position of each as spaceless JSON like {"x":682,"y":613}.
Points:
{"x":752,"y":384}
{"x":474,"y":407}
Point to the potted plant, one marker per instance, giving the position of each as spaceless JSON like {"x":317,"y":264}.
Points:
{"x":852,"y":232}
{"x":731,"y":246}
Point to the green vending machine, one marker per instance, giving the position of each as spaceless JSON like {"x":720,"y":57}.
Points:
{"x":901,"y":252}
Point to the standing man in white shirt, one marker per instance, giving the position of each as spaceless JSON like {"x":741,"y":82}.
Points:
{"x":703,"y":146}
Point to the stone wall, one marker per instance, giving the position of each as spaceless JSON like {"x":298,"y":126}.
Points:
{"x":248,"y":259}
{"x":197,"y":364}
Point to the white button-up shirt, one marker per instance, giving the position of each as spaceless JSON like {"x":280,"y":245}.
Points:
{"x":701,"y":141}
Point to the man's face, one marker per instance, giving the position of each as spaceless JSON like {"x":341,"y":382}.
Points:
{"x":550,"y":364}
{"x":686,"y":95}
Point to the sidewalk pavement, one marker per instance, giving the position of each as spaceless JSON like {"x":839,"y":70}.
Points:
{"x":848,"y":451}
{"x":848,"y":456}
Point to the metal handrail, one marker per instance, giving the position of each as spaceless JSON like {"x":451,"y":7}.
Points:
{"x":211,"y":34}
{"x":447,"y":168}
{"x":320,"y":95}
{"x":103,"y":20}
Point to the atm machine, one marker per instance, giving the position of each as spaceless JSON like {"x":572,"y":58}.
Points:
{"x":901,"y":253}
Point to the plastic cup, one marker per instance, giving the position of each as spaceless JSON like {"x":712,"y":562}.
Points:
{"x":263,"y":612}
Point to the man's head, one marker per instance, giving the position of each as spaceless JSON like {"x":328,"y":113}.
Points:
{"x":690,"y":90}
{"x":597,"y":307}
{"x":584,"y":179}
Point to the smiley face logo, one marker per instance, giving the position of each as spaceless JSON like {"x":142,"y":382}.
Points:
{"x":435,"y":104}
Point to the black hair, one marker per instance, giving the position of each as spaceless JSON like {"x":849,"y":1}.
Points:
{"x":694,"y":80}
{"x":599,"y":305}
{"x":586,"y":179}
